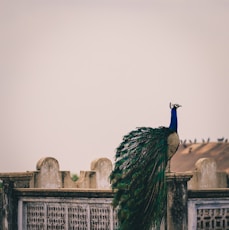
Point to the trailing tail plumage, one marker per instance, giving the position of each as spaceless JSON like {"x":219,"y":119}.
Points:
{"x":139,"y":175}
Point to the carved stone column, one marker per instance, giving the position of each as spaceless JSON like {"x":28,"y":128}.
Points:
{"x":177,"y":210}
{"x":9,"y":201}
{"x":7,"y":205}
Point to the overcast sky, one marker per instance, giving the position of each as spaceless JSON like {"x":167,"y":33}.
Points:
{"x":75,"y":76}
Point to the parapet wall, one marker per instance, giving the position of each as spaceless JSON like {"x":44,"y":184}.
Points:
{"x":51,"y":195}
{"x":48,"y":175}
{"x":206,"y":176}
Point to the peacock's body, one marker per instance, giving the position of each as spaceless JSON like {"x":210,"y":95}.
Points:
{"x":139,"y":175}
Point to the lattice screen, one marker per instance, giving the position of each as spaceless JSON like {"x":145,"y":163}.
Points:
{"x":213,"y":219}
{"x":35,"y":216}
{"x":78,"y":217}
{"x":68,"y":216}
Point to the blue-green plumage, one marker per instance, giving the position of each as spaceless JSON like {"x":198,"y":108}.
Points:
{"x":139,"y":175}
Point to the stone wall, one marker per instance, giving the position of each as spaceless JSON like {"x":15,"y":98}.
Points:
{"x":208,"y":209}
{"x":206,"y":175}
{"x":19,"y":189}
{"x":1,"y":205}
{"x":98,"y":177}
{"x":48,"y":175}
{"x":49,"y":179}
{"x":65,"y":209}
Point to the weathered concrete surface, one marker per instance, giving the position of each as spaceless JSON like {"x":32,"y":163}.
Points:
{"x":8,"y":205}
{"x":98,"y":176}
{"x":48,"y":175}
{"x":177,"y":209}
{"x":206,"y":175}
{"x":102,"y":168}
{"x":87,"y":179}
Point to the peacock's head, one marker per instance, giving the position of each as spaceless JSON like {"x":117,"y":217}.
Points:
{"x":174,"y":105}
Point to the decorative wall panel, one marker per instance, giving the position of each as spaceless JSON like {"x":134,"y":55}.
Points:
{"x":208,"y":214}
{"x":78,"y":217}
{"x":217,"y":219}
{"x":63,"y":214}
{"x":35,"y":216}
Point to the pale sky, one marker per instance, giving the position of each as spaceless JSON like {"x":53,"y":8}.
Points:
{"x":76,"y":76}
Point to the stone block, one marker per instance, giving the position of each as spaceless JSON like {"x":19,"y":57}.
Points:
{"x":102,"y":168}
{"x":206,"y":175}
{"x":48,"y":174}
{"x":98,"y":176}
{"x":87,"y":179}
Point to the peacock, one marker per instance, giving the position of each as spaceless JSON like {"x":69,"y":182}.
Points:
{"x":138,"y":177}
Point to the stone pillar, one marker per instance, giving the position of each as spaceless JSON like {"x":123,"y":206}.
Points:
{"x":177,"y":210}
{"x":9,"y":200}
{"x":206,"y":175}
{"x":1,"y":205}
{"x":7,"y":205}
{"x":102,"y":168}
{"x":48,"y":174}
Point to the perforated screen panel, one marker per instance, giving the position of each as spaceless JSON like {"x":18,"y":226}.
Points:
{"x":62,"y":215}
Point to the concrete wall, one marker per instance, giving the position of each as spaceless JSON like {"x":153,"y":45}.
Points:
{"x":98,"y":176}
{"x":206,"y":175}
{"x":48,"y":176}
{"x":1,"y":209}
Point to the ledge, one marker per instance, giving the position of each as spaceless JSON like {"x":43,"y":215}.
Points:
{"x":64,"y":192}
{"x":182,"y":177}
{"x":16,"y":176}
{"x":209,"y":193}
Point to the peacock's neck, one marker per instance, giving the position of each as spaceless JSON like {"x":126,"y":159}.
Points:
{"x":173,"y":122}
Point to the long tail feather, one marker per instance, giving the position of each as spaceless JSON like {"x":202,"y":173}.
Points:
{"x":139,"y":178}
